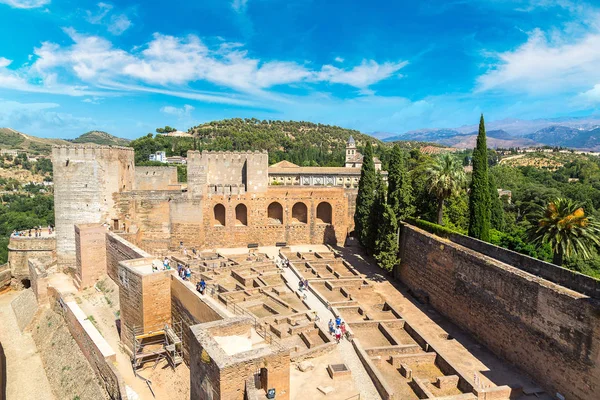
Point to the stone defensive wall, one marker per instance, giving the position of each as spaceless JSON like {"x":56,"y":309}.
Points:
{"x":191,"y":309}
{"x":117,"y":250}
{"x":23,"y":248}
{"x":548,"y":330}
{"x":249,"y":169}
{"x":94,"y":347}
{"x":85,"y":180}
{"x":155,"y":178}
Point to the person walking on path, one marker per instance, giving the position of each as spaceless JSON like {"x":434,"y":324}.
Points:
{"x":338,"y":321}
{"x":331,"y":327}
{"x":338,"y":334}
{"x":343,"y":329}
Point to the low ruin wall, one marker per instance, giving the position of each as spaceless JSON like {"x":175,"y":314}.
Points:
{"x":22,"y":248}
{"x":550,"y":332}
{"x":94,"y":347}
{"x":119,"y":249}
{"x":188,"y":307}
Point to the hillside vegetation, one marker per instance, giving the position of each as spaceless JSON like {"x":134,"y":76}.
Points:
{"x":12,"y":139}
{"x":100,"y":137}
{"x":303,"y":143}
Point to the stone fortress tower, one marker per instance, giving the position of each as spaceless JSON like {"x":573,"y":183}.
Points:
{"x":85,"y":181}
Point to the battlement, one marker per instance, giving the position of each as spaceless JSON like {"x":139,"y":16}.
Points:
{"x":88,"y":152}
{"x":226,"y":189}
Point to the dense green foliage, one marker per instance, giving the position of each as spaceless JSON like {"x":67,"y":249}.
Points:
{"x":446,"y":179}
{"x":23,"y":212}
{"x":386,"y":245}
{"x":399,"y":195}
{"x":365,"y":199}
{"x":479,"y":197}
{"x":303,"y":143}
{"x":496,"y":211}
{"x":564,"y":225}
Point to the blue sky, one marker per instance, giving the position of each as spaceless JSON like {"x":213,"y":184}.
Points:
{"x":69,"y":66}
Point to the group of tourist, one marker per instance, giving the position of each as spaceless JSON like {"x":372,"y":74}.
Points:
{"x":337,"y":329}
{"x":281,"y":263}
{"x":37,"y":231}
{"x":184,"y":273}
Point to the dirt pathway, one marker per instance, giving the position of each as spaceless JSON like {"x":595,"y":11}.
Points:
{"x":25,"y":374}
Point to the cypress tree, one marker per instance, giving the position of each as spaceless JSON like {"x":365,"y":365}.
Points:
{"x":399,"y":196}
{"x":365,"y":198}
{"x":497,"y":210}
{"x":376,"y":216}
{"x":387,"y":241}
{"x":479,"y":198}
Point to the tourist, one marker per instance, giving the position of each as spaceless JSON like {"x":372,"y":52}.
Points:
{"x":331,"y":327}
{"x":179,"y":268}
{"x":338,"y":334}
{"x":185,"y":252}
{"x":300,"y":285}
{"x":198,"y":288}
{"x":306,"y":284}
{"x":165,"y":262}
{"x":202,"y":286}
{"x":343,"y":329}
{"x":338,"y":321}
{"x":14,"y":232}
{"x":180,"y":245}
{"x":188,"y":273}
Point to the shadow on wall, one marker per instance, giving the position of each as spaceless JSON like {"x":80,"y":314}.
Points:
{"x":329,"y":235}
{"x":2,"y":374}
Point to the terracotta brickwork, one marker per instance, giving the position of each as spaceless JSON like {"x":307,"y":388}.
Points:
{"x":144,"y":297}
{"x":221,"y":376}
{"x":117,"y":250}
{"x":549,"y":331}
{"x":90,"y":254}
{"x":155,"y":178}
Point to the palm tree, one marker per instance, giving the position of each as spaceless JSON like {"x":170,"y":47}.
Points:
{"x":447,"y":178}
{"x":564,"y":225}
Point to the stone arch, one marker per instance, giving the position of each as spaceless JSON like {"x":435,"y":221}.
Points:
{"x":275,"y":213}
{"x":219,"y":215}
{"x":324,"y":213}
{"x":299,"y":213}
{"x":241,"y":214}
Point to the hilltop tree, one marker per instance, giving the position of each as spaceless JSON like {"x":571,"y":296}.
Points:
{"x":496,"y":209}
{"x":564,"y":225}
{"x":366,"y":197}
{"x":387,"y":240}
{"x":166,"y":129}
{"x":399,"y":195}
{"x":446,"y":178}
{"x":479,"y":197}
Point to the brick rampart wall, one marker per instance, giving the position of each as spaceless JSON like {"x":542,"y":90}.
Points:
{"x":95,"y":349}
{"x":85,"y":179}
{"x":90,"y":254}
{"x":550,"y":332}
{"x":118,"y":249}
{"x":154,"y":178}
{"x":188,"y":307}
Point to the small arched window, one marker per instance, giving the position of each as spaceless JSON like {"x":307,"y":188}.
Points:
{"x":241,"y":215}
{"x":324,"y":213}
{"x":275,"y":213}
{"x":219,"y":215}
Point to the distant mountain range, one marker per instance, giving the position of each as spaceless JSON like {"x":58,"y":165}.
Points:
{"x":579,"y":133}
{"x":13,"y":139}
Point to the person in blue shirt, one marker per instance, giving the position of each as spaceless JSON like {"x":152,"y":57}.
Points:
{"x":338,"y":321}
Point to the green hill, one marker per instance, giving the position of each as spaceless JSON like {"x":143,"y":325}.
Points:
{"x":100,"y":137}
{"x":12,"y":139}
{"x":303,"y":143}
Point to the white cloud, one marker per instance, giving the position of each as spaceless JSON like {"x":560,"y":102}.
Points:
{"x":239,"y":5}
{"x":4,"y":62}
{"x":543,"y":65}
{"x":184,"y":111}
{"x":361,"y":76}
{"x":93,"y":66}
{"x":339,"y":59}
{"x":119,"y":24}
{"x":25,"y":3}
{"x":97,"y":17}
{"x":116,"y":24}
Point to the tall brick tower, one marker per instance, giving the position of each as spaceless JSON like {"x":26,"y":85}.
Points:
{"x":85,"y":179}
